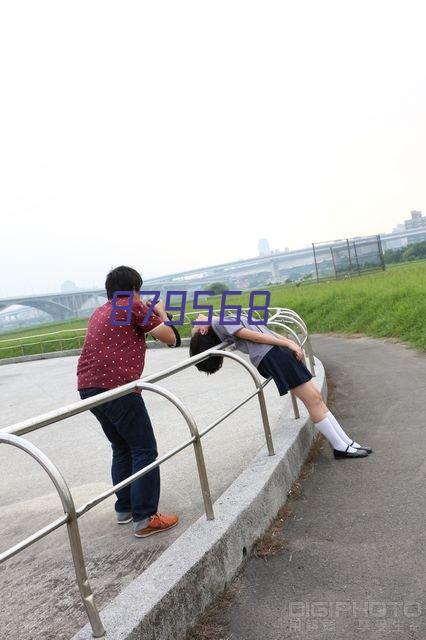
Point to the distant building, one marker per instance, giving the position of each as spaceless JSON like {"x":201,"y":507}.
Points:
{"x":263,"y":247}
{"x":417,"y":221}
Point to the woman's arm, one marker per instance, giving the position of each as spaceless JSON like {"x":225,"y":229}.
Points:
{"x":269,"y":338}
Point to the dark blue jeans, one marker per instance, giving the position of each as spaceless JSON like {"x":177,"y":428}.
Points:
{"x":127,"y":426}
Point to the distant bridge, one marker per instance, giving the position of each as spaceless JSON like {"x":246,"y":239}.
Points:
{"x":61,"y":306}
{"x":272,"y":262}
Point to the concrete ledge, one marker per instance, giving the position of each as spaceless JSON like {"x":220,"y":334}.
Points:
{"x":166,"y":600}
{"x":41,"y":356}
{"x":75,"y":352}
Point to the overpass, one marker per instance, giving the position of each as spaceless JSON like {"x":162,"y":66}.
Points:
{"x":231,"y":270}
{"x":63,"y":306}
{"x":273,"y":262}
{"x":416,"y":235}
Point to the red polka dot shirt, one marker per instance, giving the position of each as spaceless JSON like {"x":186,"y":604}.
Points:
{"x":114,"y":355}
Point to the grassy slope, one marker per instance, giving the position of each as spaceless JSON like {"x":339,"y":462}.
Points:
{"x":69,"y":332}
{"x":382,"y":304}
{"x":47,"y":327}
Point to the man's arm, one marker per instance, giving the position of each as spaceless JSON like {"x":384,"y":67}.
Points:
{"x":269,"y":338}
{"x":163,"y":332}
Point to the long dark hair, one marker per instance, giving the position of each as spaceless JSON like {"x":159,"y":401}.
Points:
{"x":200,"y":343}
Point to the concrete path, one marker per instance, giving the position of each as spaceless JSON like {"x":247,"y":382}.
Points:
{"x":39,"y":597}
{"x":355,"y":563}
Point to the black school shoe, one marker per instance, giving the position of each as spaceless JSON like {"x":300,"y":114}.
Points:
{"x":365,"y":447}
{"x":359,"y":453}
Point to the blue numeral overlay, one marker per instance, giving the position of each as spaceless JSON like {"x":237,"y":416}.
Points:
{"x":202,"y":307}
{"x":155,"y":298}
{"x":180,"y":307}
{"x":121,"y":307}
{"x":259,"y":307}
{"x":230,"y":307}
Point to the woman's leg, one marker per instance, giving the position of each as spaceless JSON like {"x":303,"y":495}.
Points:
{"x":312,"y":399}
{"x":322,"y":417}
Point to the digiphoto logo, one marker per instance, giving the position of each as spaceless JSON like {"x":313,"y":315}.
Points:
{"x":368,"y":615}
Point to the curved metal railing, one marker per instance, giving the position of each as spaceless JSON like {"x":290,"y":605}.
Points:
{"x":289,"y":316}
{"x":12,"y":435}
{"x":21,"y":348}
{"x":45,"y":346}
{"x":70,"y":519}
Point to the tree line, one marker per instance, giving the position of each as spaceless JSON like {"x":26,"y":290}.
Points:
{"x":406,"y":254}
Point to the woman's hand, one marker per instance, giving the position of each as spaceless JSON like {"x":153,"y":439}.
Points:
{"x":298,"y":351}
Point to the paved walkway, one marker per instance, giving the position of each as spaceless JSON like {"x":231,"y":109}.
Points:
{"x":355,"y":564}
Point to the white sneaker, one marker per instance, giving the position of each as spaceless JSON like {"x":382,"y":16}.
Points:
{"x":123,"y":518}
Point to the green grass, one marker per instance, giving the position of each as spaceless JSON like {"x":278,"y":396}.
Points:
{"x":46,"y":328}
{"x":55,"y":336}
{"x":388,"y":304}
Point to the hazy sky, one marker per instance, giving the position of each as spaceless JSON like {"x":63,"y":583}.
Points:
{"x":170,"y":135}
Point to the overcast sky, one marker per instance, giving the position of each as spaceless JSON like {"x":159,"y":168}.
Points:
{"x":175,"y":134}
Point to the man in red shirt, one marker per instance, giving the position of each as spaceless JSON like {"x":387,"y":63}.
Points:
{"x":114,"y":355}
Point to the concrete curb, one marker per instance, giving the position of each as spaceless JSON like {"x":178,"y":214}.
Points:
{"x":166,"y":600}
{"x":41,"y":356}
{"x":74,"y":352}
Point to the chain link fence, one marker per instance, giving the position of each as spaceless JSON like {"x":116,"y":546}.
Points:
{"x":345,"y":258}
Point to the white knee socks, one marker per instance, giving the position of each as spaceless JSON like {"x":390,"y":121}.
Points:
{"x":326,"y":427}
{"x":338,"y":429}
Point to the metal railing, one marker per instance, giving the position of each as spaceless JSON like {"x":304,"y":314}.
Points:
{"x":41,"y":347}
{"x":12,"y":435}
{"x":288,"y":316}
{"x":20,"y":347}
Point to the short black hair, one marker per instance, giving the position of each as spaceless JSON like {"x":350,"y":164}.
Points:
{"x":122,"y":279}
{"x":200,"y":343}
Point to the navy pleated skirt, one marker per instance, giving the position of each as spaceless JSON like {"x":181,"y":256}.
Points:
{"x":287,"y":371}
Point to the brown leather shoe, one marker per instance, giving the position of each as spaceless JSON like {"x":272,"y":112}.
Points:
{"x":157,"y":523}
